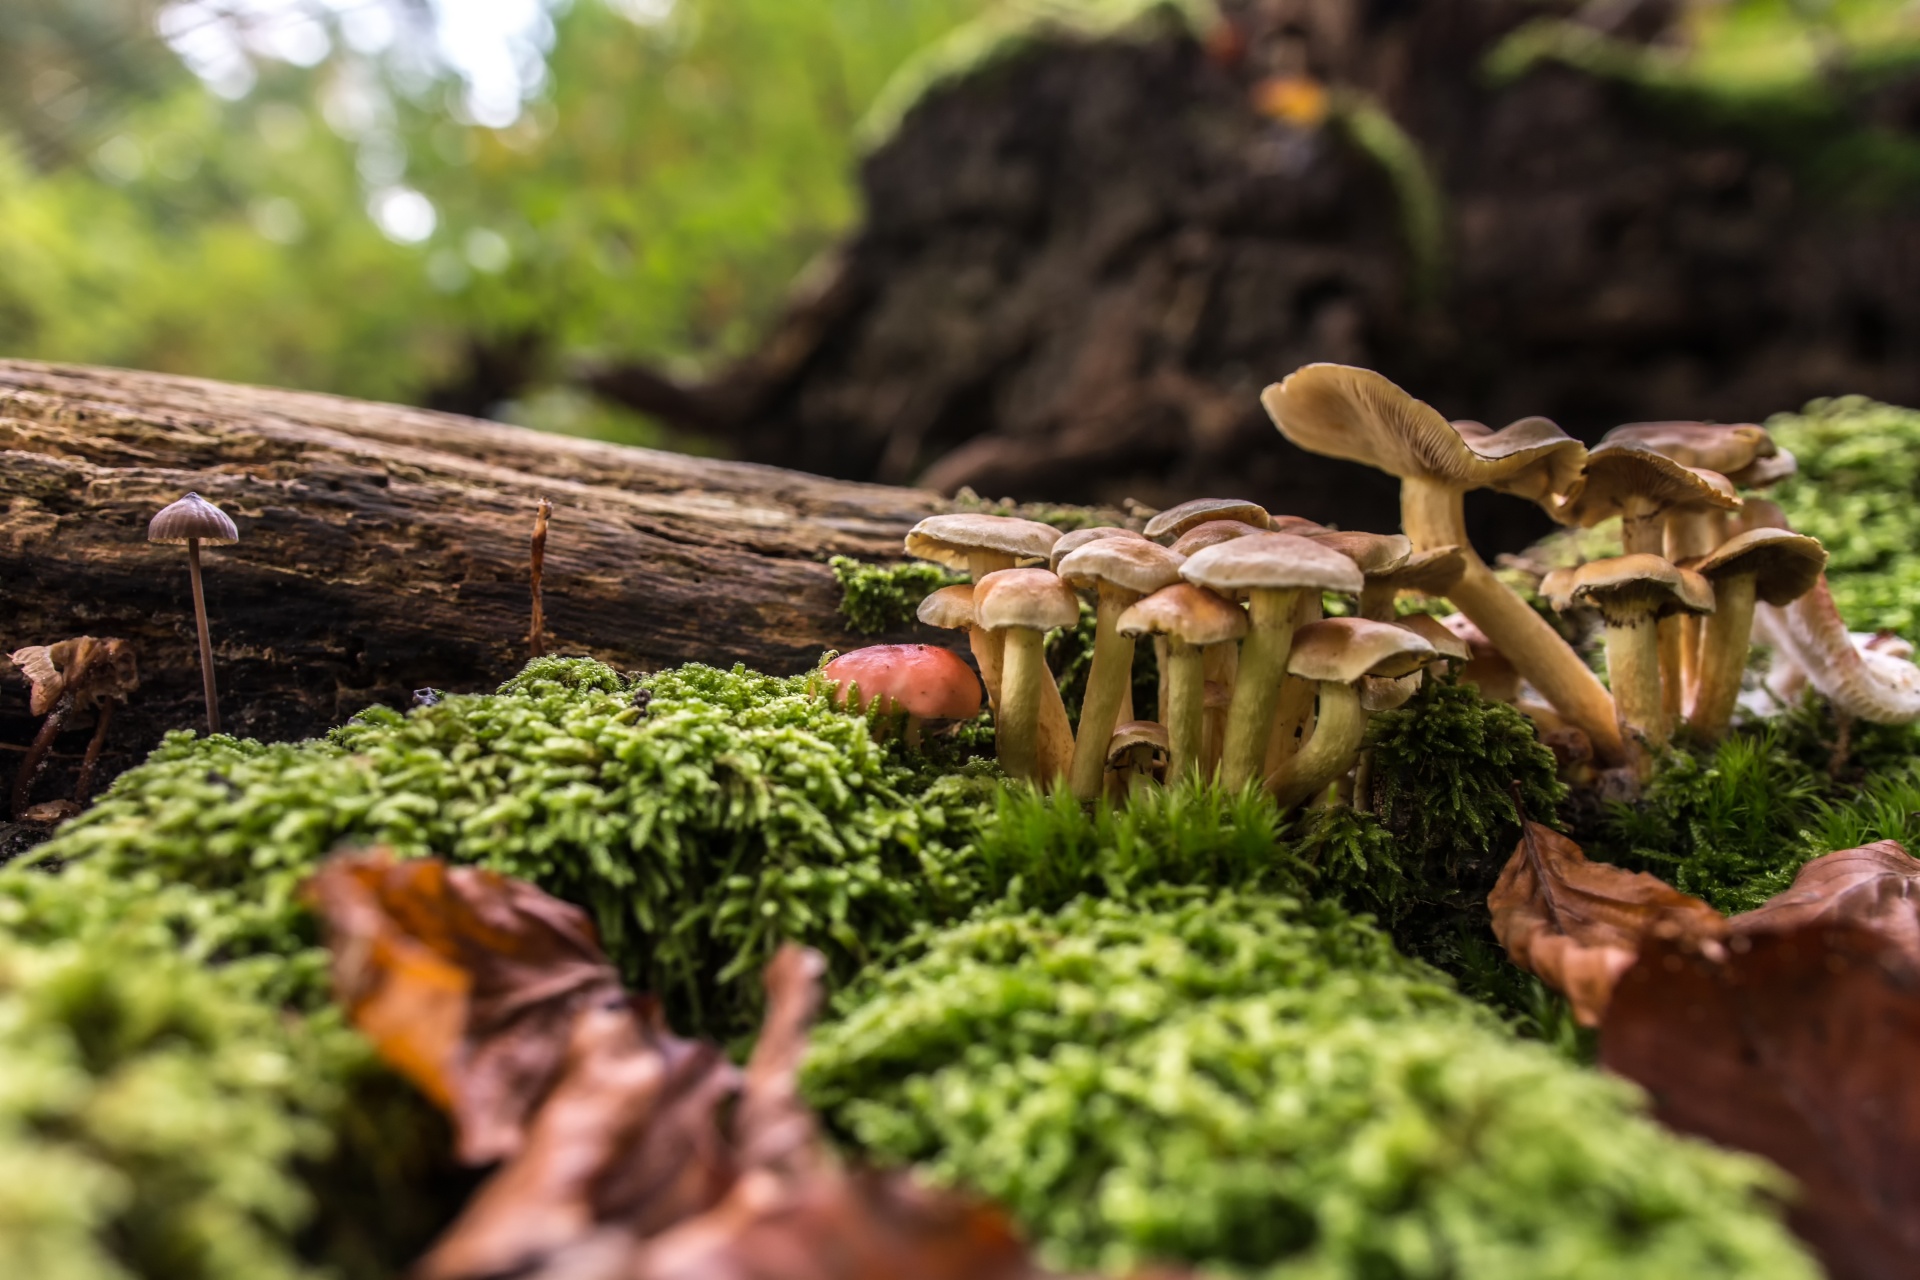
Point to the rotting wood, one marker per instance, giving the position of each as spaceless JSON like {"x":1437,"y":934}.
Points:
{"x":385,"y":549}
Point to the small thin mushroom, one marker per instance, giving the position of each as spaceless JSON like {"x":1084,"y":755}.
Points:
{"x":1136,"y":756}
{"x":1078,"y":538}
{"x":1770,"y":565}
{"x":1212,"y":533}
{"x":1632,"y":593}
{"x":951,"y":609}
{"x":1191,"y":619}
{"x":1022,"y":605}
{"x":1382,"y":693}
{"x":193,"y":520}
{"x":1358,"y":415}
{"x":1174,"y":521}
{"x":1271,"y":570}
{"x":921,"y":680}
{"x":1118,"y":571}
{"x":1337,"y":654}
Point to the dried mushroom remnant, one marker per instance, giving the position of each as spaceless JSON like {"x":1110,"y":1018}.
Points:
{"x":1136,"y":754}
{"x":1021,"y":606}
{"x":64,"y":677}
{"x":1343,"y":412}
{"x":193,"y":520}
{"x":1192,"y":619}
{"x":1337,"y":654}
{"x":1119,"y":571}
{"x":921,"y":681}
{"x":1769,"y":565}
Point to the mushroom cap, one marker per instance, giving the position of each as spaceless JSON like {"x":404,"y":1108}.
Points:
{"x":1213,"y":533}
{"x":1190,"y":614}
{"x":1297,"y":524}
{"x":1759,"y":513}
{"x":1431,"y":572}
{"x":1272,"y":562}
{"x":1341,"y":650}
{"x":1138,"y":566}
{"x":1785,"y":565}
{"x":1766,"y":472}
{"x":947,"y":539}
{"x":1079,"y":538}
{"x":90,"y":669}
{"x":950,"y":608}
{"x":193,"y":517}
{"x":1436,"y":633}
{"x":1174,"y":521}
{"x":1621,"y":586}
{"x":1721,"y":447}
{"x":1373,"y":553}
{"x":1136,"y":733}
{"x":1358,"y":415}
{"x":1619,"y":476}
{"x":1030,"y":598}
{"x":920,"y":679}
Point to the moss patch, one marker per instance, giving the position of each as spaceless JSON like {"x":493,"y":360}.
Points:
{"x":877,"y":598}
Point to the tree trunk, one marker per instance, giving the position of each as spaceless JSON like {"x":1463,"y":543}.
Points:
{"x":385,"y":549}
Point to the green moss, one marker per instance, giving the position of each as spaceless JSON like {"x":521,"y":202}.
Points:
{"x":1065,"y":519}
{"x":1858,"y":491}
{"x":876,"y":598}
{"x":1266,"y":1087}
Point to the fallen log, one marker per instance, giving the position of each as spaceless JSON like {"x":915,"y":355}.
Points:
{"x":385,"y":549}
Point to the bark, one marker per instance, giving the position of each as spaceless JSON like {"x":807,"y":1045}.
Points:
{"x":385,"y":549}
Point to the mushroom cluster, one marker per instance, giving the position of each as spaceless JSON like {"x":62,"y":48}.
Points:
{"x":1255,"y":685}
{"x":1704,"y":569}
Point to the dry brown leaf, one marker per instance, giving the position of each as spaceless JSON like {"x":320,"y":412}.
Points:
{"x":1797,"y":1045}
{"x":1577,"y":925}
{"x":1876,"y":887}
{"x":467,"y":981}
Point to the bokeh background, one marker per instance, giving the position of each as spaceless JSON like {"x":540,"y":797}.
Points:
{"x":1045,"y":249}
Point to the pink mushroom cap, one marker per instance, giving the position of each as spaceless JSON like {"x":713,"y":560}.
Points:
{"x":923,"y":680}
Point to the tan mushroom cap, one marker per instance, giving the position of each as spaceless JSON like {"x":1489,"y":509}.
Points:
{"x":1430,"y":572}
{"x":946,"y":539}
{"x":1032,"y":598}
{"x":1629,"y":584}
{"x":1186,"y":613}
{"x":1618,"y":475}
{"x":1344,"y":412}
{"x":950,"y":608}
{"x":1272,"y":562}
{"x":1136,"y":733}
{"x":193,"y":517}
{"x":1078,"y":538}
{"x":1785,"y":565}
{"x":1436,"y":633}
{"x":1215,"y":532}
{"x":1342,"y":650}
{"x":1721,"y":447}
{"x":1766,"y":472}
{"x":1373,"y":553}
{"x":1138,"y":566}
{"x":1174,"y":521}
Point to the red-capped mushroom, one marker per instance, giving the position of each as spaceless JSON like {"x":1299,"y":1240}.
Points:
{"x":922,"y":680}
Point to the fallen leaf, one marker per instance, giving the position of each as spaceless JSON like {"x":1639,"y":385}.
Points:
{"x":1797,"y":1045}
{"x":1577,"y":925}
{"x":1876,"y":887}
{"x":467,"y":982}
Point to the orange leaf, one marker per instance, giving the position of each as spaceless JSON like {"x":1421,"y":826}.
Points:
{"x":1876,"y":886}
{"x":1577,"y":925}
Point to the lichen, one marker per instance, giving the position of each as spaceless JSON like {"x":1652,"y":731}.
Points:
{"x":877,"y":598}
{"x":1265,"y":1087}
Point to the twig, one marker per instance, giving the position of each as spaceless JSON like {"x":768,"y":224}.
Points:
{"x":536,"y":641}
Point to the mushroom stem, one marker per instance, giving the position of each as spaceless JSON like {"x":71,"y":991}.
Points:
{"x":206,"y":639}
{"x":1293,"y":713}
{"x":988,"y":646}
{"x":1723,"y":655}
{"x":1221,"y":666}
{"x":1256,"y":689}
{"x":1377,"y":601}
{"x":1340,"y":729}
{"x":36,"y":757}
{"x":1633,"y":665}
{"x":1017,"y":727}
{"x":83,"y":785}
{"x":1676,"y":634}
{"x":1431,"y":514}
{"x":1108,"y":679}
{"x":1185,"y":681}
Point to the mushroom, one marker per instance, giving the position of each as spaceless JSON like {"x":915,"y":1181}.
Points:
{"x":951,"y":609}
{"x":1271,"y":570}
{"x":193,"y":520}
{"x":1722,"y":447}
{"x":1431,"y":572}
{"x":1202,"y":536}
{"x":1360,"y":416}
{"x":1632,"y":593}
{"x":1137,"y":753}
{"x":922,"y":680}
{"x":1192,"y":619}
{"x":1119,"y":571}
{"x":1020,"y":606}
{"x":1643,"y":488}
{"x":1487,"y":669}
{"x":1070,"y":542}
{"x":1337,"y":654}
{"x":1761,"y":564}
{"x":1174,"y":521}
{"x":1863,"y":682}
{"x":68,"y":676}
